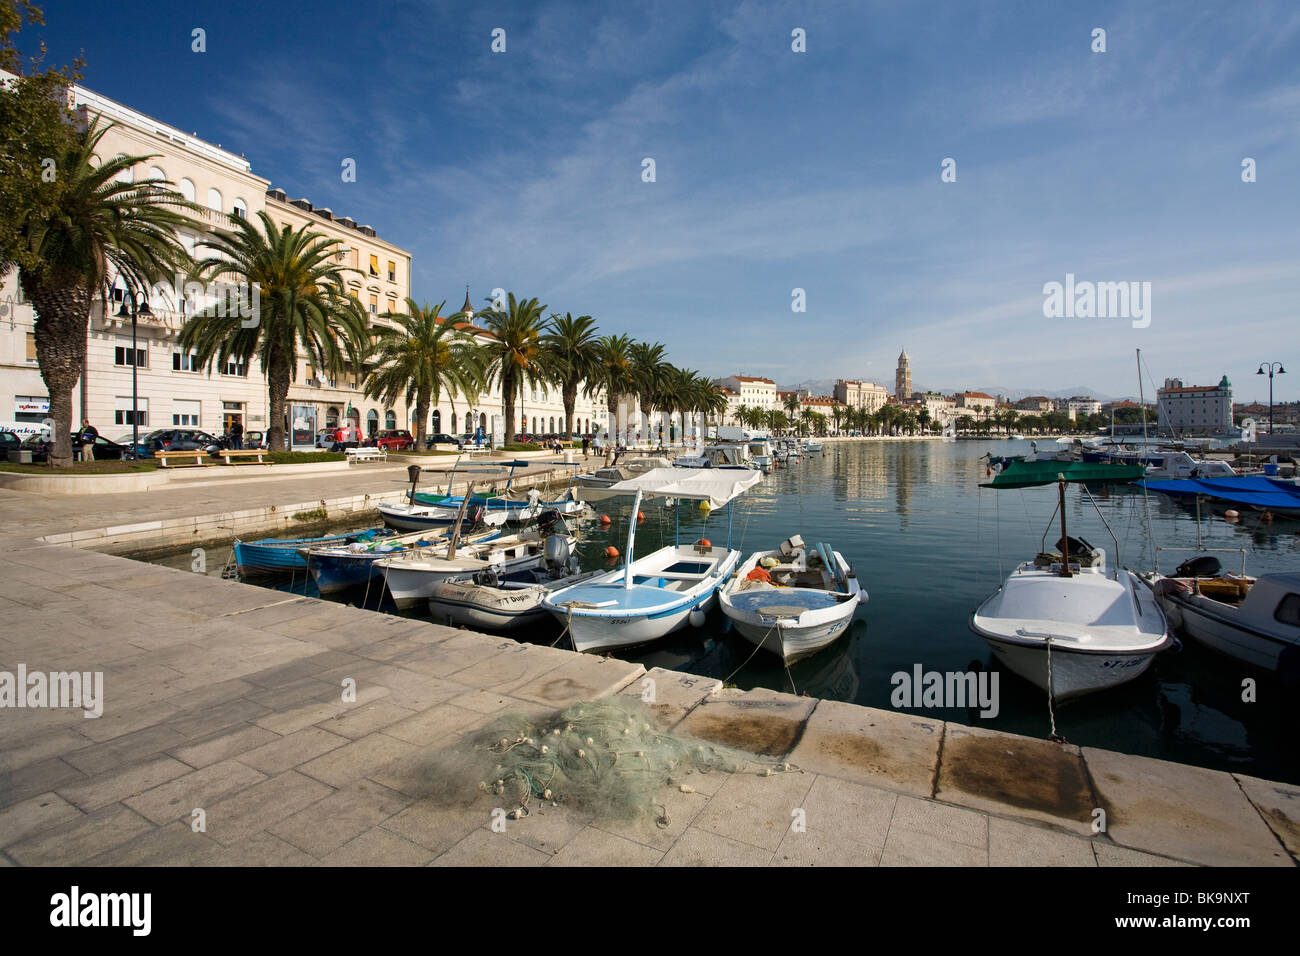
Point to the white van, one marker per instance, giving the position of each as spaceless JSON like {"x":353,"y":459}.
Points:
{"x":24,"y":429}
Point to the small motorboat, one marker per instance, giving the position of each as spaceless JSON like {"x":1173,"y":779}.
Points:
{"x":663,"y":591}
{"x":792,"y":601}
{"x":282,"y":555}
{"x":497,"y":602}
{"x":1254,"y":620}
{"x":1065,"y":621}
{"x":338,"y":567}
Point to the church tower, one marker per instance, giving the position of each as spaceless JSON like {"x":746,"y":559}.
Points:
{"x":903,"y":378}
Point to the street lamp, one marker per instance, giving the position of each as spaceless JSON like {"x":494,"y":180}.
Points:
{"x":124,"y":313}
{"x":1280,"y":371}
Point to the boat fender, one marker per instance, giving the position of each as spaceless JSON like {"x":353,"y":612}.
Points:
{"x":696,"y":617}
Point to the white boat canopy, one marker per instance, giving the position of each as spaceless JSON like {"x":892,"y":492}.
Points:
{"x":717,"y":486}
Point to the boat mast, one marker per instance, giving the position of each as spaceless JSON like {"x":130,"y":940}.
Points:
{"x":1065,"y":540}
{"x":460,"y":516}
{"x":631,"y":539}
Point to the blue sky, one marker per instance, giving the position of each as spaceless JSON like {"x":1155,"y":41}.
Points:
{"x":778,"y":170}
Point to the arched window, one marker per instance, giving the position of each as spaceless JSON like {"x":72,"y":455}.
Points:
{"x":453,"y":423}
{"x":126,"y":175}
{"x":156,"y":172}
{"x":372,"y":423}
{"x":332,"y":417}
{"x":390,"y":419}
{"x":482,"y":420}
{"x":552,"y":424}
{"x":239,"y":208}
{"x":214,"y":199}
{"x":437,"y":422}
{"x":186,"y":189}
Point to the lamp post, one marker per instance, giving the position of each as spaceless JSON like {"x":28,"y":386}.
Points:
{"x":1280,"y":371}
{"x":142,"y":308}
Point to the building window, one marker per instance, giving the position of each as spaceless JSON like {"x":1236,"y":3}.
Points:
{"x":214,"y":199}
{"x":390,"y":420}
{"x":239,"y":208}
{"x":31,"y":346}
{"x":186,"y":189}
{"x":122,"y":411}
{"x":156,"y":173}
{"x":392,"y":271}
{"x":122,"y":355}
{"x":185,"y":362}
{"x":374,"y":265}
{"x":372,"y":423}
{"x":236,"y":367}
{"x":185,"y":413}
{"x":374,"y":305}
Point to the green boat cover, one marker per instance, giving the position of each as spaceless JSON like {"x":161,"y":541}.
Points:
{"x":1024,"y":474}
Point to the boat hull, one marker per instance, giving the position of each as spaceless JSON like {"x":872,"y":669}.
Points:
{"x":1217,"y":629}
{"x":1073,"y":674}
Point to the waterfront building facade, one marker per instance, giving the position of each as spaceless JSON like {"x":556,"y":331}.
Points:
{"x":858,"y":394}
{"x":752,"y":390}
{"x":975,"y":404}
{"x":1195,"y":409}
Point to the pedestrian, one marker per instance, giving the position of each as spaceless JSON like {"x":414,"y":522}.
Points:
{"x":586,"y":444}
{"x":236,"y":435}
{"x":85,"y":437}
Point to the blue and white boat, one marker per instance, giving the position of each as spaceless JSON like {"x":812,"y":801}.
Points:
{"x":337,"y":567}
{"x":657,"y":594}
{"x":283,"y":555}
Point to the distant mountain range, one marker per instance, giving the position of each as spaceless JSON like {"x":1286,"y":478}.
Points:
{"x":825,"y":387}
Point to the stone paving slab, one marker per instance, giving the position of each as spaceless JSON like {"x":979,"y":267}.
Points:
{"x":1279,"y":805}
{"x":1020,"y":776}
{"x":1189,"y":813}
{"x":867,"y":745}
{"x":671,"y":695}
{"x":760,"y":721}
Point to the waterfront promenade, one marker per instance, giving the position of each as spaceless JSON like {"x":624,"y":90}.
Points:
{"x":225,"y":698}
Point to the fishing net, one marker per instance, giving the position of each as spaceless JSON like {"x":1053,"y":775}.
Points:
{"x":607,"y":757}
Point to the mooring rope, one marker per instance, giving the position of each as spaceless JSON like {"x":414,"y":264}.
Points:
{"x":775,"y":627}
{"x":1051,"y":695}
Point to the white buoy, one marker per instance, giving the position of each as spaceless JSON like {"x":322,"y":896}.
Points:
{"x":696,"y":617}
{"x":1230,"y":515}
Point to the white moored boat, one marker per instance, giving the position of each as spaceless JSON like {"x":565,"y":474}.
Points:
{"x":1065,"y":621}
{"x":654,"y":595}
{"x":792,"y":601}
{"x":1254,"y":620}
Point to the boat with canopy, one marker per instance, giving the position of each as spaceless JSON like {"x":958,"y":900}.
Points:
{"x":665,"y":590}
{"x":1065,"y":621}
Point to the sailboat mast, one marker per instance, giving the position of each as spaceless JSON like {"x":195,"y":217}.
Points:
{"x":460,"y":516}
{"x":1142,"y":401}
{"x":631,"y":539}
{"x":1065,"y":539}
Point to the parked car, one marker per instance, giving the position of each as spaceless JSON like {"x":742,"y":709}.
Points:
{"x":440,"y":439}
{"x":102,"y":449}
{"x":9,"y":441}
{"x":325,"y":437}
{"x":254,"y":440}
{"x":345,"y":436}
{"x":394,"y":439}
{"x":174,"y":439}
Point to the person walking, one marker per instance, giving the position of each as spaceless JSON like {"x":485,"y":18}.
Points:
{"x":586,"y":445}
{"x":236,"y":435}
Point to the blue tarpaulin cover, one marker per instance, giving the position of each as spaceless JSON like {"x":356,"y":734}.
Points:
{"x":1246,"y":490}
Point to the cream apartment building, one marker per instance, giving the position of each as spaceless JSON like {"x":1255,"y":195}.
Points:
{"x":858,"y":394}
{"x":172,"y":388}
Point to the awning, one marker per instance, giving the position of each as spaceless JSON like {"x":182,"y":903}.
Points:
{"x":1025,"y":474}
{"x":717,"y":486}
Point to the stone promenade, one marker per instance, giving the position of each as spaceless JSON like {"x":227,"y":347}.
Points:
{"x":227,"y":698}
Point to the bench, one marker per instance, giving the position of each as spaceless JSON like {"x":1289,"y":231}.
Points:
{"x":243,"y":456}
{"x":475,"y":450}
{"x":356,"y":455}
{"x":181,"y":459}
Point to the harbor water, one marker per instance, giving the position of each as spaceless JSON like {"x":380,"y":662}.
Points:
{"x":928,"y":545}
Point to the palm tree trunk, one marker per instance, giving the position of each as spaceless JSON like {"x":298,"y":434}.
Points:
{"x":62,"y":310}
{"x":508,"y":399}
{"x":569,"y":393}
{"x":421,"y":416}
{"x":277,"y":380}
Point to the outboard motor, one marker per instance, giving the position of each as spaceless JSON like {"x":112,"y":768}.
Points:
{"x":1077,"y":546}
{"x":556,"y":556}
{"x":1204,"y":566}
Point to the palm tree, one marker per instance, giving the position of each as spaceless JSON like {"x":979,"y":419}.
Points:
{"x":837,"y":416}
{"x":422,"y":356}
{"x":103,"y":224}
{"x":648,"y":371}
{"x":573,"y":351}
{"x":791,"y":405}
{"x":616,"y":373}
{"x":304,"y":307}
{"x":805,"y":419}
{"x":515,"y":353}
